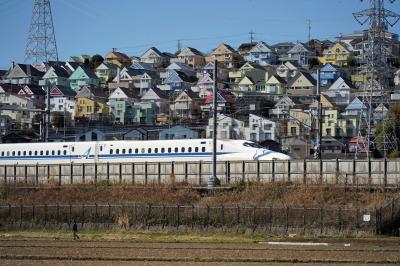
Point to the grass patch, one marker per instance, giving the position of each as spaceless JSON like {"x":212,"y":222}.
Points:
{"x":171,"y":237}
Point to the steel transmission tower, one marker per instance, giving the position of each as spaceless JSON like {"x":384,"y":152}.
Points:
{"x":41,"y":45}
{"x":377,"y":73}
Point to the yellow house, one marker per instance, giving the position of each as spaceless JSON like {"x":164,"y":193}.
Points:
{"x":224,"y":53}
{"x":338,"y":54}
{"x":275,"y":85}
{"x":91,"y":103}
{"x":248,"y":69}
{"x":299,"y":123}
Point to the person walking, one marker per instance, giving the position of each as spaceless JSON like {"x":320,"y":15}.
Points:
{"x":75,"y":231}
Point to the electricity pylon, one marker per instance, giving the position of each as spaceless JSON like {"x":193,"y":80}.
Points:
{"x":377,"y":73}
{"x":41,"y":45}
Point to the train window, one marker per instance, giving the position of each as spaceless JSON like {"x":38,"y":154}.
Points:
{"x":58,"y":152}
{"x":19,"y":153}
{"x":13,"y":153}
{"x":8,"y":153}
{"x":111,"y":151}
{"x":143,"y":150}
{"x":101,"y":148}
{"x":149,"y":150}
{"x":2,"y":153}
{"x":176,"y":149}
{"x":72,"y":148}
{"x":65,"y":152}
{"x":117,"y":151}
{"x":252,"y":145}
{"x":162,"y":150}
{"x":156,"y":150}
{"x":136,"y":150}
{"x":130,"y":151}
{"x":190,"y":149}
{"x":47,"y":153}
{"x":30,"y":153}
{"x":36,"y":153}
{"x":53,"y":152}
{"x":123,"y":151}
{"x":203,"y":149}
{"x":183,"y":149}
{"x":24,"y":153}
{"x":169,"y":150}
{"x":222,"y":146}
{"x":196,"y":149}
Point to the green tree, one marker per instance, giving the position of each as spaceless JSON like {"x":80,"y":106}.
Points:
{"x":393,"y":116}
{"x":57,"y":119}
{"x":96,"y":61}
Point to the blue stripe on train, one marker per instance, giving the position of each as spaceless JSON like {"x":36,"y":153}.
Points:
{"x":112,"y":156}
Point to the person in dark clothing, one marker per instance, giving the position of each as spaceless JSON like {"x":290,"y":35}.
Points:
{"x":75,"y":231}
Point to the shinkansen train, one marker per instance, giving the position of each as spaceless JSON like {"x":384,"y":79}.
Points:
{"x":134,"y":151}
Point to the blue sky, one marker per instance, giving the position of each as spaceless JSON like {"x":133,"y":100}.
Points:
{"x":96,"y":26}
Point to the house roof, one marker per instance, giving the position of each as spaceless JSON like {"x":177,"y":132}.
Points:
{"x":227,"y":46}
{"x":222,"y":95}
{"x":160,"y":93}
{"x":298,"y":75}
{"x":194,"y":51}
{"x":120,"y":56}
{"x":191,"y":94}
{"x":28,"y":70}
{"x":10,"y":88}
{"x":60,"y":71}
{"x":185,"y":77}
{"x":62,"y":91}
{"x":91,"y":93}
{"x":298,"y":48}
{"x":89,"y":72}
{"x":3,"y":73}
{"x":35,"y":89}
{"x":356,"y":104}
{"x":155,"y":50}
{"x":246,"y":46}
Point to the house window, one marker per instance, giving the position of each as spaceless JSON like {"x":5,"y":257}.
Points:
{"x":293,"y":130}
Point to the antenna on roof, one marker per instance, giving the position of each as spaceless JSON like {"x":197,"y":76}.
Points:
{"x":309,"y":29}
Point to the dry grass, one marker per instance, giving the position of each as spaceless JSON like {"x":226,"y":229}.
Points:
{"x":251,"y":194}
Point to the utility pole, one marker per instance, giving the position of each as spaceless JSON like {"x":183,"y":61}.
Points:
{"x":377,"y":74}
{"x":179,"y":45}
{"x":309,"y":30}
{"x":214,"y":181}
{"x":41,"y":45}
{"x":251,"y":36}
{"x":318,"y":150}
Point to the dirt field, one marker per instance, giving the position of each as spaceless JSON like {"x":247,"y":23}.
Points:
{"x":33,"y":251}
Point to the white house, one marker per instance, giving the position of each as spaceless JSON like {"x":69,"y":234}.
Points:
{"x":227,"y":128}
{"x":340,"y":90}
{"x":260,"y":129}
{"x":62,"y":99}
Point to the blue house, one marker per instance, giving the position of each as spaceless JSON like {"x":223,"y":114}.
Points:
{"x":328,"y":74}
{"x":262,"y":54}
{"x":178,"y":132}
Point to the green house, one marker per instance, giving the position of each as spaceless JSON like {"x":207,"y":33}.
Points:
{"x":83,"y":76}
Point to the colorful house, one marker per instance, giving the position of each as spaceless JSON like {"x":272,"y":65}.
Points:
{"x":338,"y":54}
{"x":154,"y":57}
{"x":91,"y":103}
{"x":275,"y":85}
{"x":106,"y":72}
{"x":340,"y":91}
{"x":225,"y":54}
{"x":62,"y":99}
{"x":119,"y":59}
{"x":23,"y":74}
{"x":262,"y":54}
{"x":83,"y":76}
{"x":192,"y":57}
{"x":120,"y":103}
{"x":144,"y":113}
{"x":302,"y":84}
{"x":299,"y":54}
{"x":158,"y":97}
{"x":328,"y":74}
{"x":187,"y":105}
{"x":56,"y":76}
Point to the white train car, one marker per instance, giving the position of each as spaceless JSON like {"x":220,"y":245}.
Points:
{"x":133,"y":151}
